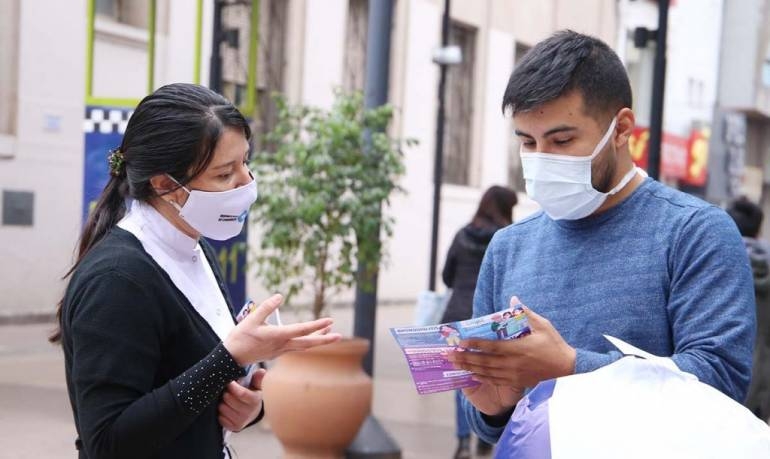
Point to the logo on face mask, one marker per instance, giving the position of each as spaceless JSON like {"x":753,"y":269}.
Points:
{"x":232,"y":218}
{"x":218,"y":215}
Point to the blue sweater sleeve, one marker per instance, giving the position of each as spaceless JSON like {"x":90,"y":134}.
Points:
{"x":483,"y":304}
{"x":711,"y":303}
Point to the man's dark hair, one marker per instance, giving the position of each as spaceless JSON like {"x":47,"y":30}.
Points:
{"x":564,"y":62}
{"x":747,"y":216}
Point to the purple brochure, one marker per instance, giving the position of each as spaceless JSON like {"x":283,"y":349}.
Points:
{"x":424,"y":347}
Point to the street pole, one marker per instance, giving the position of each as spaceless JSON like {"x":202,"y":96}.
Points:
{"x":376,"y":94}
{"x":438,"y":163}
{"x":658,"y":90}
{"x":215,"y":64}
{"x":372,"y":440}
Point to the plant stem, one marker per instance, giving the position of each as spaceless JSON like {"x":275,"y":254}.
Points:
{"x":320,"y":290}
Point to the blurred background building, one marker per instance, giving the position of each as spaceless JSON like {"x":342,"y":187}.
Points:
{"x":739,"y":162}
{"x":67,"y":75}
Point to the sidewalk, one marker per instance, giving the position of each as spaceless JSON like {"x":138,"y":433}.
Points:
{"x":36,"y":420}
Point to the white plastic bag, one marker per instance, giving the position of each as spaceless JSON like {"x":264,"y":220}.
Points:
{"x":633,"y":408}
{"x":430,"y":307}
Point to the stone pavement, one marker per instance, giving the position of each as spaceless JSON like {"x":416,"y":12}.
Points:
{"x":36,"y":421}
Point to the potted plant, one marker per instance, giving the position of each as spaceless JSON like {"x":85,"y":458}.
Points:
{"x":321,"y":188}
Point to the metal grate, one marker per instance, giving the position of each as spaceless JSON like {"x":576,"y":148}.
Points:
{"x":18,"y":208}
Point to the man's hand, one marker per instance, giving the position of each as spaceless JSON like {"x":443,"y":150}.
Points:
{"x":506,"y":367}
{"x":241,"y":405}
{"x":493,"y":400}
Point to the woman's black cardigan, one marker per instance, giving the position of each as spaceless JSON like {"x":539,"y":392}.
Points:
{"x":144,"y":370}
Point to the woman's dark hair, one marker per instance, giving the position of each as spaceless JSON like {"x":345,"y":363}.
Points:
{"x":172,"y":131}
{"x":496,"y":208}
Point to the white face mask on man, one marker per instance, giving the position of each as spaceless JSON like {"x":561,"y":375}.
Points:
{"x":562,"y":185}
{"x":218,"y":215}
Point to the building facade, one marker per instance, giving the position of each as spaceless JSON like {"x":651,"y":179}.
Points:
{"x":692,"y":75}
{"x":739,"y":158}
{"x":51,"y":78}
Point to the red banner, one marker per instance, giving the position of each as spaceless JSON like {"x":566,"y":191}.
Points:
{"x":683,"y":159}
{"x":638,"y":145}
{"x":673,"y":156}
{"x":697,"y":158}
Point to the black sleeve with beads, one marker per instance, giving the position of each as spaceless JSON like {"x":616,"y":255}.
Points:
{"x":199,"y":386}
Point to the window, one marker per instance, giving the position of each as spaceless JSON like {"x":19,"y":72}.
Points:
{"x":9,"y":70}
{"x":129,"y":12}
{"x":121,"y":34}
{"x":515,"y":173}
{"x":766,"y":68}
{"x":694,"y":92}
{"x":354,"y":70}
{"x":459,"y":107}
{"x":234,"y":49}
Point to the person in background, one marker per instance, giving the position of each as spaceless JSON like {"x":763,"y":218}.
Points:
{"x":748,"y":217}
{"x":461,"y":269}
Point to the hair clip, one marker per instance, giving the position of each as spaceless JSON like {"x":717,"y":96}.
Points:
{"x":116,"y":162}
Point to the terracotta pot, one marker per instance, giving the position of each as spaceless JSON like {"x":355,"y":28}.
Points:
{"x":317,"y":400}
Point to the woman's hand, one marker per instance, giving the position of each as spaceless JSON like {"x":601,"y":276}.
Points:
{"x":253,"y":340}
{"x":241,"y":405}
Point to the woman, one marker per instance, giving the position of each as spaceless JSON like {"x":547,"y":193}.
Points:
{"x":461,"y":270}
{"x":152,"y":351}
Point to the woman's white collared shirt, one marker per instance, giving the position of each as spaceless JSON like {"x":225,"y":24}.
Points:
{"x":182,"y":258}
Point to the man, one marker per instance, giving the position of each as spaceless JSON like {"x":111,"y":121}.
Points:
{"x":748,"y":218}
{"x":612,"y":252}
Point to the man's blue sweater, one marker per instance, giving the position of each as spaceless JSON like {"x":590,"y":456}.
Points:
{"x":662,"y":270}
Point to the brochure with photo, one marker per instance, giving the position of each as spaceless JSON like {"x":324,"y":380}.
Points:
{"x":425,"y":348}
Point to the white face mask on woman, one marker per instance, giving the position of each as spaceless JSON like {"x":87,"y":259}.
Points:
{"x":218,"y":215}
{"x":562,"y":185}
